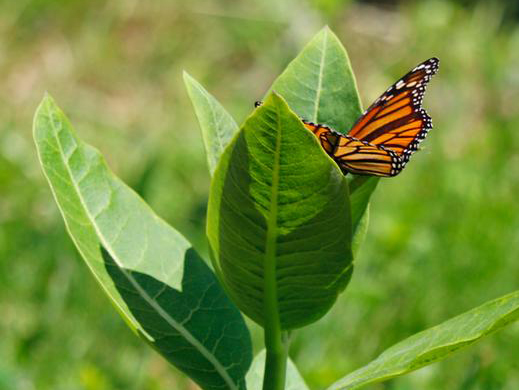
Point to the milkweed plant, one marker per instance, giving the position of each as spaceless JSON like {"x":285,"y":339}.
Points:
{"x":283,"y":226}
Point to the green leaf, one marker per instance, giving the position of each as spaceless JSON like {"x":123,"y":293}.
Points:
{"x":157,"y":282}
{"x":319,"y":86}
{"x":436,"y":343}
{"x":278,"y":219}
{"x":361,"y":189}
{"x":360,"y":232}
{"x":216,"y":124}
{"x":294,"y":380}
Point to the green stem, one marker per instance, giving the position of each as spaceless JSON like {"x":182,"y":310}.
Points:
{"x":276,"y":341}
{"x":276,"y":361}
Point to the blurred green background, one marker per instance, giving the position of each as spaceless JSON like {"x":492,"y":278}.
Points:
{"x":444,"y":235}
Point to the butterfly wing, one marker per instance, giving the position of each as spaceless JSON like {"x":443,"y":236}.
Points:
{"x":353,"y":155}
{"x":362,"y":158}
{"x":390,"y":130}
{"x":327,"y":136}
{"x":396,"y":120}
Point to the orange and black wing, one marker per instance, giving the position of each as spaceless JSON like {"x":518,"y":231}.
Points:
{"x":390,"y":130}
{"x":362,"y":158}
{"x":396,"y":120}
{"x":355,"y":156}
{"x":327,"y":136}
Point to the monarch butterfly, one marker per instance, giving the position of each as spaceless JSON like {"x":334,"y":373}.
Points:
{"x":382,"y":140}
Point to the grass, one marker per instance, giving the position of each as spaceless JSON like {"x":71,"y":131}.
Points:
{"x":443,"y":234}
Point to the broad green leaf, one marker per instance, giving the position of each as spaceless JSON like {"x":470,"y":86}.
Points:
{"x":157,"y":282}
{"x":216,"y":123}
{"x":436,"y":343}
{"x":361,"y":189}
{"x":279,"y":219}
{"x":319,"y":86}
{"x":294,"y":380}
{"x":360,"y":232}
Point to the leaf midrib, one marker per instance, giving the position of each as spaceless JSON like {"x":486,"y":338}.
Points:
{"x":174,"y":324}
{"x":270,"y":293}
{"x":320,"y":78}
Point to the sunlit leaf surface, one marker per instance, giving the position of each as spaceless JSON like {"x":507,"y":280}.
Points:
{"x":157,"y":282}
{"x":294,"y":380}
{"x":436,"y":343}
{"x":215,"y":122}
{"x":279,"y":208}
{"x":319,"y":86}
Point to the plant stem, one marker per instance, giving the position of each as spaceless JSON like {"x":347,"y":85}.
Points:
{"x":276,"y":344}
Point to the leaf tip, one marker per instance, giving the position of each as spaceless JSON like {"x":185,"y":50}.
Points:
{"x":275,"y":97}
{"x":190,"y":82}
{"x":186,"y":76}
{"x":46,"y":102}
{"x":323,"y":32}
{"x":47,"y":98}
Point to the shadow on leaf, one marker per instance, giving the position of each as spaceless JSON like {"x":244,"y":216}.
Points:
{"x":197,"y":329}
